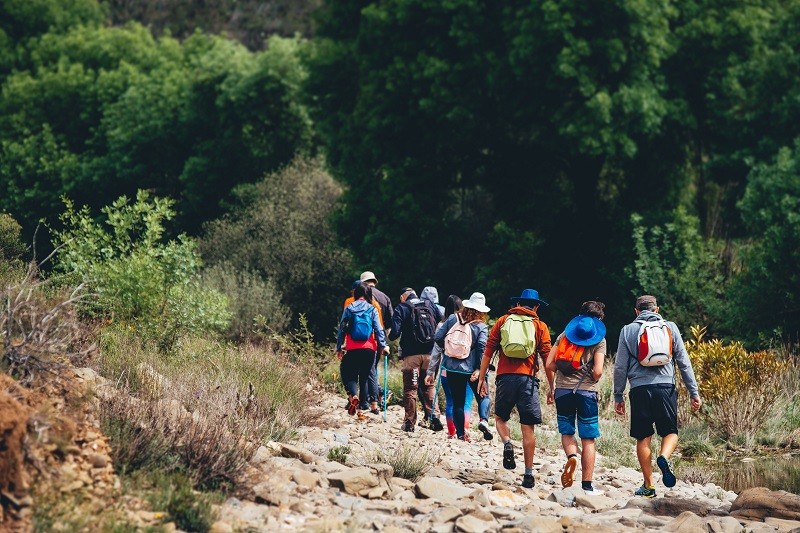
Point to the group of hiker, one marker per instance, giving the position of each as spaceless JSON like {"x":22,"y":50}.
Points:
{"x":453,"y":346}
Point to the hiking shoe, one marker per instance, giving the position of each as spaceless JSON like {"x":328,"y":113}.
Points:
{"x":360,"y":415}
{"x":594,"y":492}
{"x":527,"y":481}
{"x":436,"y":424}
{"x":645,"y":492}
{"x":667,"y":476}
{"x":484,"y":427}
{"x":353,"y":406}
{"x":408,"y":427}
{"x":568,"y":475}
{"x":424,"y":423}
{"x":465,"y":437}
{"x":508,"y":456}
{"x":451,"y":436}
{"x":374,"y":409}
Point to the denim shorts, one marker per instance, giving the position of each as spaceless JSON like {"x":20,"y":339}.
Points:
{"x":583,"y":406}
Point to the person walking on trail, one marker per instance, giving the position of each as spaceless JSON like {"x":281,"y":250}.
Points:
{"x":431,"y":294}
{"x":414,"y":323}
{"x":361,"y":335}
{"x":368,"y":402}
{"x":385,"y":305}
{"x":648,"y":350}
{"x":574,"y":367}
{"x":463,"y":339}
{"x":519,"y":337}
{"x":452,"y":306}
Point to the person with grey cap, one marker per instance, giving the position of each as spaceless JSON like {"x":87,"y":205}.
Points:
{"x":648,"y":350}
{"x":385,"y":305}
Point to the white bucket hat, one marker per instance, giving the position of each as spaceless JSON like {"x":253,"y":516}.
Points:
{"x":477,"y":301}
{"x":368,"y":276}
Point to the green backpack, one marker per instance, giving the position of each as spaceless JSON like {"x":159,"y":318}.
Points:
{"x":518,"y":336}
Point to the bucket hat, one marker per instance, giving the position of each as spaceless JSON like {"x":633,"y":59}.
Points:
{"x":528,"y":295}
{"x":585,"y":330}
{"x":476,"y":301}
{"x":368,"y":276}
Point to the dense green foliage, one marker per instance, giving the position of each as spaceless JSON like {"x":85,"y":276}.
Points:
{"x":585,"y":149}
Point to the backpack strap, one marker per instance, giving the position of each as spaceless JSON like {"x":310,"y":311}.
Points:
{"x":585,"y":373}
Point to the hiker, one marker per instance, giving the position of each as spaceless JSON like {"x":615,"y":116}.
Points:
{"x":431,"y":294}
{"x":574,"y":366}
{"x":374,"y":391}
{"x":519,"y":336}
{"x":414,"y":323}
{"x":361,"y":335}
{"x":452,"y":306}
{"x":462,"y":338}
{"x":385,"y":305}
{"x":648,"y":350}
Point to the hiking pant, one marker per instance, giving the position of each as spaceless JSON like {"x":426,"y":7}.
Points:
{"x":458,"y":388}
{"x":414,"y":369}
{"x":448,"y":405}
{"x":355,"y":368}
{"x":374,"y":388}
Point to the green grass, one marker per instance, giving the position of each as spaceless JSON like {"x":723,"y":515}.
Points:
{"x":408,"y":462}
{"x":339,"y":454}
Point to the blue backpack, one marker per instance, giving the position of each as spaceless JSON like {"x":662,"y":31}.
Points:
{"x":361,"y":324}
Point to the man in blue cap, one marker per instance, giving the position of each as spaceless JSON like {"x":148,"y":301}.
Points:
{"x":521,"y":339}
{"x":574,"y":367}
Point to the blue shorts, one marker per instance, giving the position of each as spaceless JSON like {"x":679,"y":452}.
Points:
{"x":582,"y":404}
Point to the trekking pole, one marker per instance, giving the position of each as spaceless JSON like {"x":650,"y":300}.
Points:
{"x":385,"y":382}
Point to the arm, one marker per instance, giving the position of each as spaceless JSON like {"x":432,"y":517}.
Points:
{"x":477,"y":349}
{"x":621,"y":373}
{"x":441,"y":333}
{"x":681,"y":358}
{"x":550,"y":372}
{"x":380,"y":335}
{"x":397,"y":323}
{"x":599,"y":360}
{"x":433,"y":367}
{"x":492,"y":342}
{"x":543,"y":345}
{"x":341,"y":333}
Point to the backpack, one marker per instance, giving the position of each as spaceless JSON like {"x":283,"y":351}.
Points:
{"x":655,"y":343}
{"x":568,"y":356}
{"x":458,"y":340}
{"x":518,"y":336}
{"x":423,"y":321}
{"x":361,"y":325}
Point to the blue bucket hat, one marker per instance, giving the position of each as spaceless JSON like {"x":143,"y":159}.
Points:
{"x":528,"y":295}
{"x":585,"y":330}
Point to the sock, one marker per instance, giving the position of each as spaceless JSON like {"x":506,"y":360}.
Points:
{"x":586,"y":485}
{"x":507,"y":443}
{"x":528,"y":471}
{"x":572,"y":455}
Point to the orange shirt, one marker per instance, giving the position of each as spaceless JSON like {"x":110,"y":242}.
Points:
{"x":374,"y":304}
{"x":509,"y":365}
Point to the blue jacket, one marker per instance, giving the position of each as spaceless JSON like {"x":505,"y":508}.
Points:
{"x":403,"y":327}
{"x":347,"y":317}
{"x":480,"y":332}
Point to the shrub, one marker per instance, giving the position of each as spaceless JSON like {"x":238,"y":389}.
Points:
{"x":255,"y":302}
{"x":139,"y":278}
{"x":190,"y":510}
{"x":281,"y":229}
{"x":739,"y":386}
{"x":408,"y":462}
{"x":339,"y":454}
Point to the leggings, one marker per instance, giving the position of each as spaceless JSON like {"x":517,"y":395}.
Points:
{"x":355,"y":369}
{"x":458,"y":388}
{"x":448,"y":410}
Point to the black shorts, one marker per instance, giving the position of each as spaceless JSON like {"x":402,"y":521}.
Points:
{"x":654,"y":404}
{"x":520,"y":391}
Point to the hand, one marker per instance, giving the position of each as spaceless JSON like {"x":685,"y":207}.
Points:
{"x":483,"y":388}
{"x":429,"y":380}
{"x":386,"y":350}
{"x":474,"y":376}
{"x":339,"y":355}
{"x":551,"y":397}
{"x":619,"y":408}
{"x":696,"y":403}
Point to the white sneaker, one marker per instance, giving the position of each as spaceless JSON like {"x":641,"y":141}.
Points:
{"x":594,"y":492}
{"x":484,"y":427}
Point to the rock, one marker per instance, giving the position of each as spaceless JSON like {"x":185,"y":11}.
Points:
{"x":650,"y":521}
{"x":98,"y":460}
{"x":445,"y":514}
{"x":759,"y":503}
{"x":383,"y":472}
{"x":540,"y":524}
{"x":477,"y":476}
{"x":401,"y":483}
{"x":725,"y":524}
{"x":354,"y":480}
{"x":262,"y":455}
{"x":501,"y":486}
{"x":506,"y":498}
{"x":784,"y":526}
{"x":645,"y":504}
{"x":595,"y":503}
{"x":287,"y":450}
{"x":565,"y":497}
{"x":440,"y":489}
{"x":220,"y":527}
{"x":686,"y":522}
{"x":341,"y":438}
{"x":480,"y":496}
{"x":677,"y":506}
{"x":305,"y":479}
{"x":474,"y":524}
{"x":268,"y":492}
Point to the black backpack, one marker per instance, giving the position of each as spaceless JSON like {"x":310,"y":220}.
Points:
{"x":424,"y":322}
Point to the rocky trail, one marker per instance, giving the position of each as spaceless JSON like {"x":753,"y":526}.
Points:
{"x":466,"y":489}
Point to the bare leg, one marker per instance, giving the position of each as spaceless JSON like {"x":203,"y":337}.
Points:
{"x":528,"y":444}
{"x":502,"y":429}
{"x":588,"y":455}
{"x":570,"y":444}
{"x":668,"y":444}
{"x":645,"y":457}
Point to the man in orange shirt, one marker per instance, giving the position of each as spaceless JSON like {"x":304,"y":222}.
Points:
{"x":519,"y":337}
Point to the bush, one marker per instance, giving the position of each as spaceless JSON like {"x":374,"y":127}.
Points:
{"x":409,"y":463}
{"x":137,"y":277}
{"x":254,"y":302}
{"x":190,"y":510}
{"x":339,"y":454}
{"x":281,"y":229}
{"x":12,"y":249}
{"x":740,"y":387}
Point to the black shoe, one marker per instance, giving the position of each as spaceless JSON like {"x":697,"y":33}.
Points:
{"x":408,"y":427}
{"x":667,"y":476}
{"x":508,"y":456}
{"x":527,"y":481}
{"x":484,"y":427}
{"x":436,"y":424}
